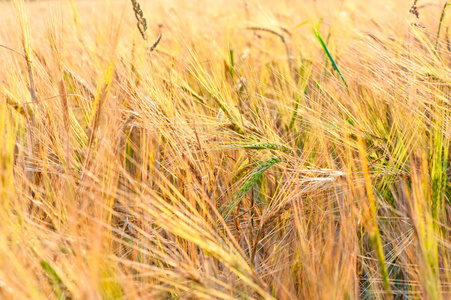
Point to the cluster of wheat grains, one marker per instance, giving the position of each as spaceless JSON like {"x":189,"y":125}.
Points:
{"x":224,"y":149}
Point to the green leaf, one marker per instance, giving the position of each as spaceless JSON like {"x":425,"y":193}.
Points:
{"x":323,"y":44}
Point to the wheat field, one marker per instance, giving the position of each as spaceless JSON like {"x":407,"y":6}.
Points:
{"x":225,"y":149}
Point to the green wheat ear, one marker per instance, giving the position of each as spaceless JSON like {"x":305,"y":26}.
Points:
{"x":261,"y":167}
{"x":142,"y":22}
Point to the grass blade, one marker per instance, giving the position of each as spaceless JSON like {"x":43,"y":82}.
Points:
{"x":326,"y":50}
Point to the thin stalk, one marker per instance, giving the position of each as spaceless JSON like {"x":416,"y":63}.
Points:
{"x":373,"y":229}
{"x":440,"y":26}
